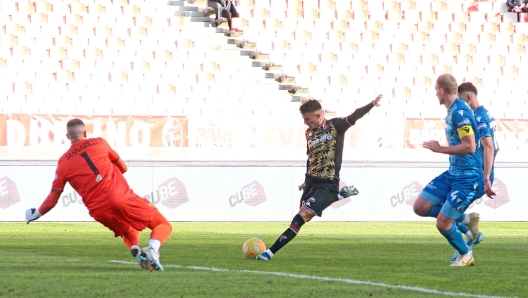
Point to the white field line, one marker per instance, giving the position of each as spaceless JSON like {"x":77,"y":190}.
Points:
{"x":324,"y":278}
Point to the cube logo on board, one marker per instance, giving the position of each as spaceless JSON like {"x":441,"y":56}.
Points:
{"x":8,"y":193}
{"x":171,"y":193}
{"x":71,"y":198}
{"x":407,"y":194}
{"x":252,"y":194}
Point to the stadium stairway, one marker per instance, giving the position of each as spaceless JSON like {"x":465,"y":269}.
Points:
{"x":265,"y":92}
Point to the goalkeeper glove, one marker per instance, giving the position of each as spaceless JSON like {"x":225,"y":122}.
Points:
{"x":32,"y":214}
{"x":347,"y":191}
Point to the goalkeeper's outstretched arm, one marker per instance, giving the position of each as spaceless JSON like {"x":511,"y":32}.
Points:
{"x":48,"y":204}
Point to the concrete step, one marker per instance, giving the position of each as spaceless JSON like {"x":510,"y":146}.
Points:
{"x":176,"y":3}
{"x":191,"y":14}
{"x":247,"y":49}
{"x":260,"y":64}
{"x":190,"y":8}
{"x":201,"y":19}
{"x":273,"y":72}
{"x":286,"y":83}
{"x":235,"y":37}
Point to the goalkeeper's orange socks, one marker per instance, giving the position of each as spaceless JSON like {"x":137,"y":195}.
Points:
{"x":131,"y":237}
{"x":160,"y":226}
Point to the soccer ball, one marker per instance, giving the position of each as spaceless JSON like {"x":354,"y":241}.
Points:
{"x":253,"y":247}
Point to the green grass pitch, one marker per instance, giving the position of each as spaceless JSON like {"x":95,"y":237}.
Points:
{"x":326,"y":259}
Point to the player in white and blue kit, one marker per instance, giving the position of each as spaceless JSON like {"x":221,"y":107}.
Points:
{"x":447,"y":196}
{"x":488,"y":148}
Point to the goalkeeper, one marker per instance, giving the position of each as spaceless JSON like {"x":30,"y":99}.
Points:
{"x":325,"y":152}
{"x":95,"y":171}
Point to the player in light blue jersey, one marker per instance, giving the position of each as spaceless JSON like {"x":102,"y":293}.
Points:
{"x":447,"y":196}
{"x":486,"y":129}
{"x":488,"y":148}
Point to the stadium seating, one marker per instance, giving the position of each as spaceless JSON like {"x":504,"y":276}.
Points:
{"x":326,"y":46}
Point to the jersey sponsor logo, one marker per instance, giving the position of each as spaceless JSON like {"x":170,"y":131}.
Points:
{"x":478,"y":118}
{"x":56,"y":177}
{"x":321,"y":139}
{"x":461,"y":112}
{"x":99,"y":178}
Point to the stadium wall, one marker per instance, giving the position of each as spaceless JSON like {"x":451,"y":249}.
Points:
{"x":259,"y":191}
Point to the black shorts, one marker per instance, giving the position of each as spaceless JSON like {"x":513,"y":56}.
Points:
{"x":319,"y":194}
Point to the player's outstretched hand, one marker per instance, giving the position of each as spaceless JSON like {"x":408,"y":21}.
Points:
{"x":32,"y":214}
{"x":489,"y":190}
{"x":376,"y":102}
{"x":302,"y":186}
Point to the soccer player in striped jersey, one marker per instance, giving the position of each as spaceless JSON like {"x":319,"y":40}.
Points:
{"x":95,"y":172}
{"x":324,"y":138}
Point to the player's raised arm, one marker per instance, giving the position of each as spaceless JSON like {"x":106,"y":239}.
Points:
{"x":360,"y":112}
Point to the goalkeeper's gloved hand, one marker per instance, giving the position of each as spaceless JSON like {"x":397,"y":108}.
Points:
{"x":32,"y":214}
{"x":347,"y":191}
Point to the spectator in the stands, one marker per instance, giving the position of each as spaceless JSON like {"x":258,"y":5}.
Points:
{"x":517,"y":6}
{"x":223,"y":8}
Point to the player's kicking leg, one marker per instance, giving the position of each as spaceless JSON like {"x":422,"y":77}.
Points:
{"x":347,"y":191}
{"x":290,"y":233}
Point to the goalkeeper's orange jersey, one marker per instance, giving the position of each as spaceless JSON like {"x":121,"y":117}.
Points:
{"x":88,"y":167}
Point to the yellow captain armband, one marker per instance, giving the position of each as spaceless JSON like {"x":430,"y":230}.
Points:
{"x":465,"y":131}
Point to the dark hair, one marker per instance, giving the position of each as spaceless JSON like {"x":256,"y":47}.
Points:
{"x":310,"y":106}
{"x":74,"y":123}
{"x":448,"y":83}
{"x":467,"y":87}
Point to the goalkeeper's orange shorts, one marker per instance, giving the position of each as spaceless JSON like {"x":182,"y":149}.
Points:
{"x":135,"y":212}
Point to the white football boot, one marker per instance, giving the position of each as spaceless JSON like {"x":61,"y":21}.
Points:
{"x":464,"y":260}
{"x":153,"y":258}
{"x":140,"y":257}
